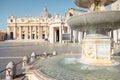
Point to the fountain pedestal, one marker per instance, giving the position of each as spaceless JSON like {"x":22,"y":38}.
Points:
{"x":96,"y":49}
{"x":97,"y":22}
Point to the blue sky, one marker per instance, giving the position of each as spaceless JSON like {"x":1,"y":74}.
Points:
{"x":32,"y":8}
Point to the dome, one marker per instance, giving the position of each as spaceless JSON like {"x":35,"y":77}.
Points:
{"x":45,"y":13}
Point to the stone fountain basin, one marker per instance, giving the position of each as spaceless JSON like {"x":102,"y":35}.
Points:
{"x":84,"y":3}
{"x":95,"y":20}
{"x":69,"y":67}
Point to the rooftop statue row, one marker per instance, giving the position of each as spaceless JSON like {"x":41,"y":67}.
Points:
{"x":45,"y":17}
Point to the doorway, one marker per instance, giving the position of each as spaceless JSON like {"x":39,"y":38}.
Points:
{"x":33,"y":36}
{"x":11,"y":35}
{"x":57,"y":35}
{"x":23,"y":36}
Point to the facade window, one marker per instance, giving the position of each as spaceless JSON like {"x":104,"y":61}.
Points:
{"x":70,"y":14}
{"x":43,"y":36}
{"x":11,"y":35}
{"x":11,"y":20}
{"x":57,"y":35}
{"x":23,"y":36}
{"x":28,"y":36}
{"x":33,"y":36}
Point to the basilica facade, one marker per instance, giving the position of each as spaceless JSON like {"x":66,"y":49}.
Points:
{"x":45,"y":27}
{"x":50,"y":28}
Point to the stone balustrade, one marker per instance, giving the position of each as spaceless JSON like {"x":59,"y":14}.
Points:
{"x":26,"y":64}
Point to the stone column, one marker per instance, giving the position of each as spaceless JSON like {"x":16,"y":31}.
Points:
{"x":8,"y":32}
{"x":80,"y":36}
{"x":35,"y":32}
{"x":74,"y":36}
{"x":109,"y":33}
{"x":77,"y":36}
{"x":38,"y":32}
{"x":14,"y":36}
{"x":20,"y":32}
{"x":30,"y":33}
{"x":54,"y":35}
{"x":119,"y":36}
{"x":115,"y":36}
{"x":60,"y":34}
{"x":70,"y":31}
{"x":45,"y":32}
{"x":26,"y":33}
{"x":51,"y":34}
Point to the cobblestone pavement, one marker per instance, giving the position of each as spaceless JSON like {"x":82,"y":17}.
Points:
{"x":26,"y":48}
{"x":14,"y":51}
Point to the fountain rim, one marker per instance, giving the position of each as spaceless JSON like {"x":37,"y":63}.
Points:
{"x":39,"y":74}
{"x":76,"y":24}
{"x":94,"y":12}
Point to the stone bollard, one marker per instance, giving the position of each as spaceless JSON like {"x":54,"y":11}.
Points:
{"x":25,"y":61}
{"x":54,"y":53}
{"x":10,"y":71}
{"x":45,"y":54}
{"x":33,"y":57}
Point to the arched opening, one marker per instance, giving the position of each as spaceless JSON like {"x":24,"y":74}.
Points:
{"x":57,"y":35}
{"x":11,"y":35}
{"x":43,"y":36}
{"x":33,"y":36}
{"x":23,"y":36}
{"x":70,"y":14}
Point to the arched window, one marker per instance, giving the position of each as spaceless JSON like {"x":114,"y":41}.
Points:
{"x":70,"y":14}
{"x":11,"y":20}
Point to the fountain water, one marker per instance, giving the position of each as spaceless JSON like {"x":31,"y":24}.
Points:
{"x":69,"y":67}
{"x":97,"y":22}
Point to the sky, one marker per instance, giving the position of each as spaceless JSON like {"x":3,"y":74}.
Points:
{"x":30,"y":8}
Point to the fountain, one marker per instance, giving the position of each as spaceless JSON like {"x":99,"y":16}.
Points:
{"x":97,"y":22}
{"x":95,"y":62}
